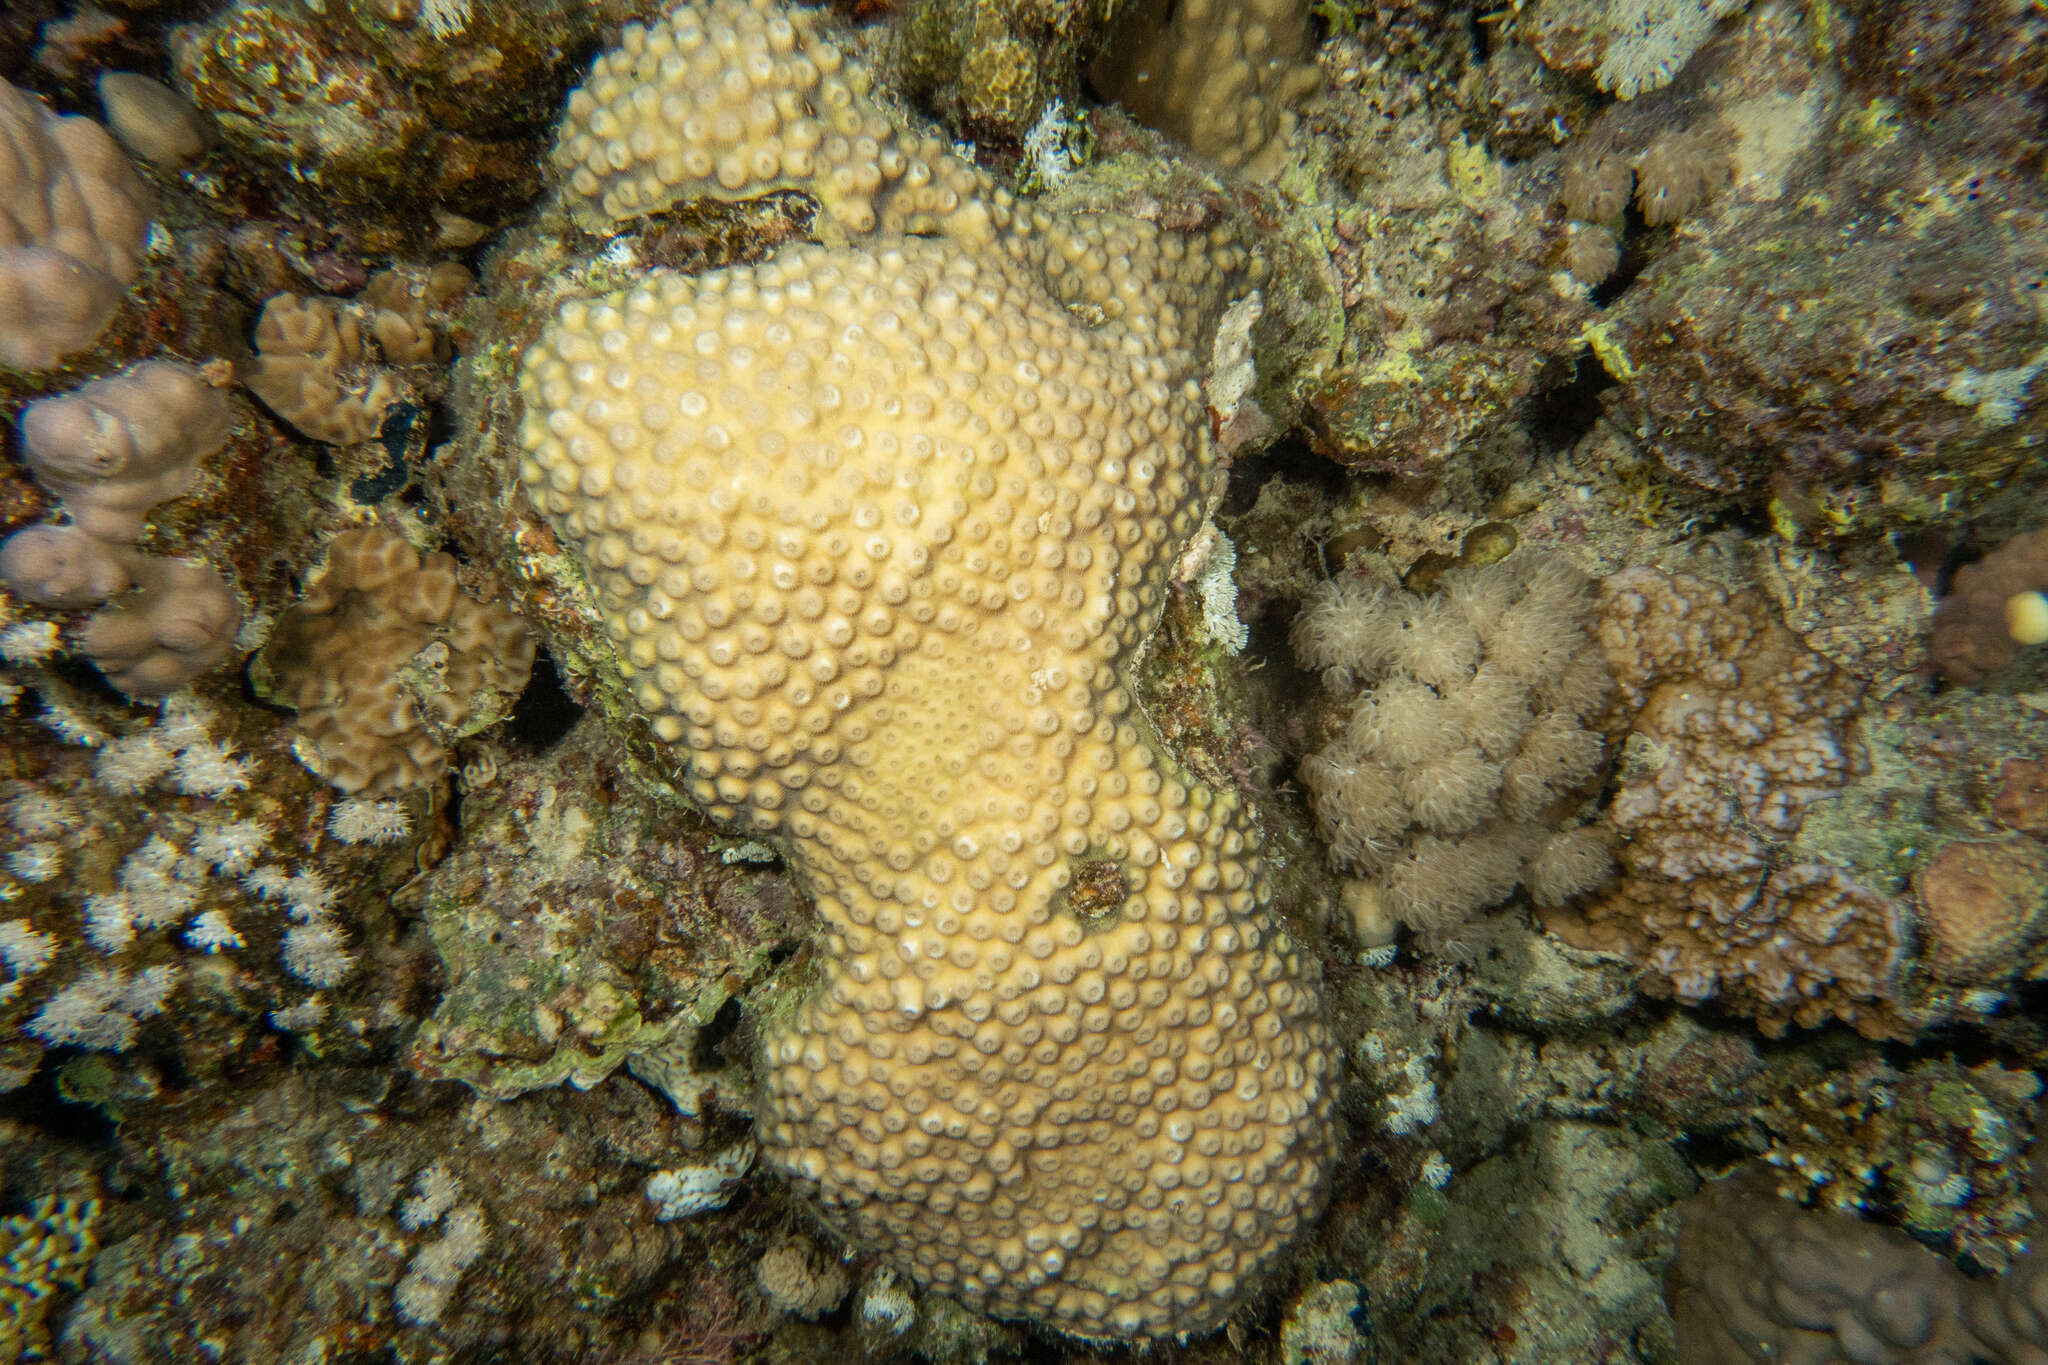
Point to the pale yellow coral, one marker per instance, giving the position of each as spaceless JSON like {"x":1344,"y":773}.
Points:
{"x":876,"y":531}
{"x":737,"y":99}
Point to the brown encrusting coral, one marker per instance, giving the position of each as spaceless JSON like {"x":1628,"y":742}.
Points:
{"x":387,"y":661}
{"x":1982,"y":907}
{"x":1464,"y":721}
{"x":1734,"y":729}
{"x":326,"y":365}
{"x":1757,"y":1279}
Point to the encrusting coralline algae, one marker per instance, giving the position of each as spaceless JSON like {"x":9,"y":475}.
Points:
{"x":992,"y":679}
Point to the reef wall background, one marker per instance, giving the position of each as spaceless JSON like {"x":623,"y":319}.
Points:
{"x":1023,"y":679}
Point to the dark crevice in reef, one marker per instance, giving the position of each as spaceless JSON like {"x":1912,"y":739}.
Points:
{"x":545,"y":711}
{"x":1635,"y":256}
{"x":1563,"y":412}
{"x":42,"y":1104}
{"x":1285,"y":459}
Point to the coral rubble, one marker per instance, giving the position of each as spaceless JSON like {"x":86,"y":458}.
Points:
{"x":1735,"y":730}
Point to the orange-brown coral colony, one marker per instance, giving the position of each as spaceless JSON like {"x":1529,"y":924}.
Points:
{"x":877,"y":531}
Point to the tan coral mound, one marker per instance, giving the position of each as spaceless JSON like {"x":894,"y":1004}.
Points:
{"x":876,"y":531}
{"x":74,"y":217}
{"x":1983,"y":906}
{"x":1737,"y":728}
{"x":735,"y":100}
{"x":386,"y":659}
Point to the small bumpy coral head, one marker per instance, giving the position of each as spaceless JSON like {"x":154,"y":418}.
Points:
{"x":875,"y":530}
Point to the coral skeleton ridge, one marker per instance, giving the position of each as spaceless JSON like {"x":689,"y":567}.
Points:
{"x":877,"y":529}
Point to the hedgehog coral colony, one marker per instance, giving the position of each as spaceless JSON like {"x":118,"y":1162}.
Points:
{"x":965,"y":681}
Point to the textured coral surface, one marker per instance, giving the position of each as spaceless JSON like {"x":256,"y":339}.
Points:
{"x":338,"y":657}
{"x":1737,"y":730}
{"x":878,"y":530}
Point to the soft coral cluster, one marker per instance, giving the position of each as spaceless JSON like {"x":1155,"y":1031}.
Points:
{"x":1463,"y":735}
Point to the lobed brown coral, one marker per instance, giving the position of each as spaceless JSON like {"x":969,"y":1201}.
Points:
{"x":1987,"y":615}
{"x":324,"y":364}
{"x":74,"y":216}
{"x":111,"y":450}
{"x":1984,"y":903}
{"x":1464,"y":724}
{"x":877,"y":531}
{"x":387,"y":660}
{"x":1734,"y":729}
{"x":992,"y":66}
{"x":1758,"y":1280}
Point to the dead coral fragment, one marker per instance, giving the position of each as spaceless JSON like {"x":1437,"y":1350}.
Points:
{"x":323,"y":364}
{"x":1737,"y":728}
{"x":1467,"y":726}
{"x":1977,"y":631}
{"x":74,"y":216}
{"x":387,"y":662}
